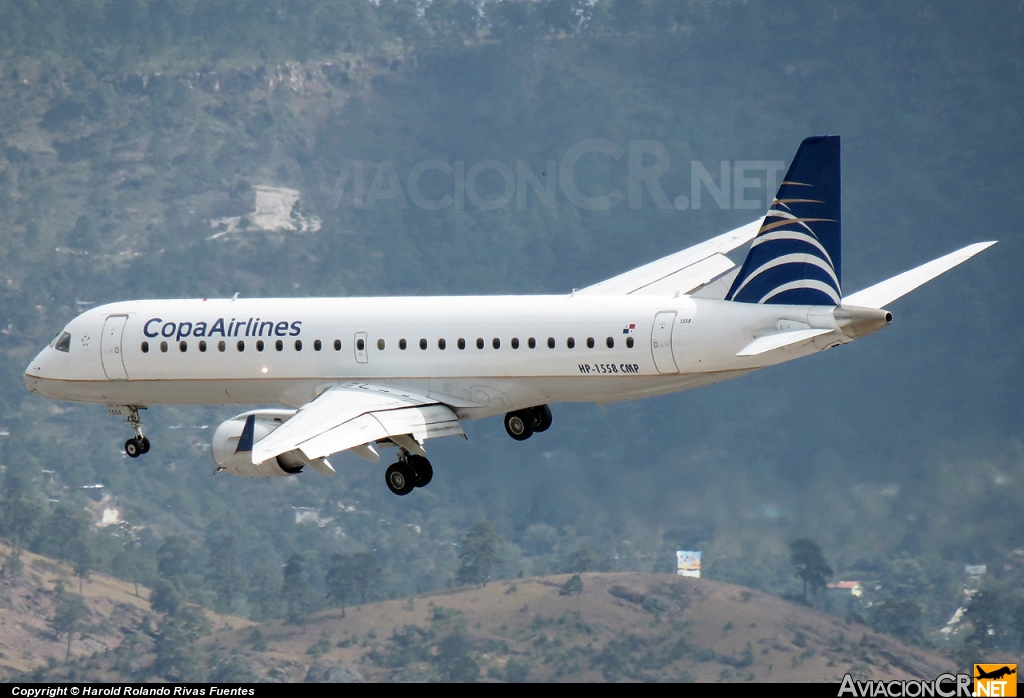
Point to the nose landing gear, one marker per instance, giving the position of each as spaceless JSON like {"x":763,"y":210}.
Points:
{"x":138,"y":444}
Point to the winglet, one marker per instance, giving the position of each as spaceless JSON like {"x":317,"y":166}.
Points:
{"x":887,"y":291}
{"x":246,"y":439}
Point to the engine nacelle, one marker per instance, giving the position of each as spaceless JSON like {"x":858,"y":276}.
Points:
{"x":225,"y":441}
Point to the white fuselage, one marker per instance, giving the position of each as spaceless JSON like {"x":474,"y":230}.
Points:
{"x":535,"y":349}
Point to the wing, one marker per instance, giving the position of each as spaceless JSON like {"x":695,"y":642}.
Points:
{"x":356,"y":415}
{"x":681,"y":272}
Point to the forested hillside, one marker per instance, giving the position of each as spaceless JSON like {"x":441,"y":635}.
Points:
{"x":132,"y":135}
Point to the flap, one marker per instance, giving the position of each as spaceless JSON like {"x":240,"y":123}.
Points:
{"x":351,"y":415}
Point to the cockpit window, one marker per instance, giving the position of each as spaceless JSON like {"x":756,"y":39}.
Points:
{"x":63,"y":342}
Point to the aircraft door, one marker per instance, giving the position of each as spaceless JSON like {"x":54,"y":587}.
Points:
{"x":661,"y":342}
{"x":360,"y":347}
{"x":110,"y":347}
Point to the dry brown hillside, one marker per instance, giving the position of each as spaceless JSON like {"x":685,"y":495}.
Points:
{"x":27,"y":602}
{"x":628,"y":626}
{"x":622,"y":627}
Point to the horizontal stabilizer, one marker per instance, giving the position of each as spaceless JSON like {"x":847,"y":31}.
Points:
{"x":887,"y":291}
{"x":777,"y":340}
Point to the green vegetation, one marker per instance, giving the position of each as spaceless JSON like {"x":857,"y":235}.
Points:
{"x":127,"y":129}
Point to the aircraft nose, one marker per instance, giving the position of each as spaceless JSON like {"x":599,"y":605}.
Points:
{"x":34,"y":375}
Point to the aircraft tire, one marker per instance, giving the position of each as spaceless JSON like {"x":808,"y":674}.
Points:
{"x":541,"y":418}
{"x":144,"y":442}
{"x":519,"y":425}
{"x":422,"y":471}
{"x":133,"y":448}
{"x":400,"y":479}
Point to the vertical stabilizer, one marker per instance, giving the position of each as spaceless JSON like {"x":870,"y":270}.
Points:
{"x":796,"y":257}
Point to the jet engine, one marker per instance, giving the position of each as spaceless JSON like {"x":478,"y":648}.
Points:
{"x":229,"y":459}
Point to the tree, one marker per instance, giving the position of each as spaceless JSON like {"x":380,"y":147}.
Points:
{"x":83,"y":563}
{"x":454,"y":661}
{"x":1017,"y":623}
{"x":573,"y":587}
{"x":340,"y":580}
{"x":165,"y":598}
{"x":583,"y":560}
{"x":174,"y":646}
{"x":68,"y":615}
{"x":224,"y":571}
{"x":898,"y":617}
{"x":174,"y":562}
{"x":985,"y":612}
{"x":478,"y":554}
{"x":19,"y":513}
{"x":810,"y":565}
{"x":264,"y":593}
{"x":296,"y":590}
{"x":63,"y":533}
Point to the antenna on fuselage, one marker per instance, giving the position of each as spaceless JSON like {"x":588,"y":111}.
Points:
{"x":235,"y":297}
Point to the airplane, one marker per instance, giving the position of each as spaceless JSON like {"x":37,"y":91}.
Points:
{"x":358,"y":374}
{"x":995,"y":673}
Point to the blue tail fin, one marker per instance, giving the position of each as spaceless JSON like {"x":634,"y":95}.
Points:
{"x":248,"y":432}
{"x":796,"y":257}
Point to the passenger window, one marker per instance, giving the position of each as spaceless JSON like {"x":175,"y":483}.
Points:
{"x":279,"y":345}
{"x":145,"y":347}
{"x":360,"y":345}
{"x":423,"y":344}
{"x":462,"y":343}
{"x":240,"y":345}
{"x":402,"y":344}
{"x":183,"y":346}
{"x":551,"y":342}
{"x":163,"y":347}
{"x":496,"y":343}
{"x":515,"y":342}
{"x":629,"y":342}
{"x":337,"y":345}
{"x":221,"y":346}
{"x":532,"y":343}
{"x":317,"y":346}
{"x":610,"y":342}
{"x":259,"y":345}
{"x":442,"y":344}
{"x":571,"y":343}
{"x":298,"y":345}
{"x":590,"y":342}
{"x":63,"y":343}
{"x":202,"y":345}
{"x":380,"y":344}
{"x":479,"y":342}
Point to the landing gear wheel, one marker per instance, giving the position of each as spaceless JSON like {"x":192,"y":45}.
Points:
{"x":422,"y":471}
{"x":400,"y":479}
{"x":541,"y":418}
{"x":133,"y":447}
{"x":519,"y":425}
{"x":144,"y":442}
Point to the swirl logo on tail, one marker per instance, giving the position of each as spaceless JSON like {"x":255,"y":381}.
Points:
{"x":796,"y":258}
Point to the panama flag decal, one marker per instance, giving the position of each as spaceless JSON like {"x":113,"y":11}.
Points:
{"x":629,"y":330}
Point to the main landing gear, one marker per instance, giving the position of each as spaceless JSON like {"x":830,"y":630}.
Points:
{"x":522,"y":424}
{"x":138,"y":444}
{"x":411,"y":471}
